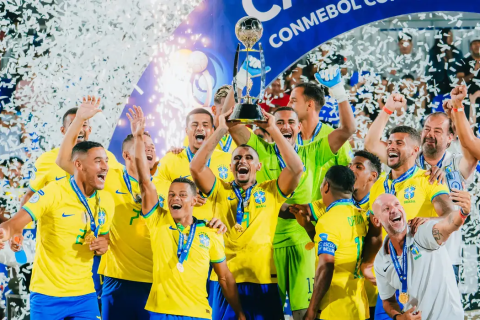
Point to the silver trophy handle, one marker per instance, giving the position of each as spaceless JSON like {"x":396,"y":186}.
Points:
{"x":264,"y":74}
{"x":235,"y":71}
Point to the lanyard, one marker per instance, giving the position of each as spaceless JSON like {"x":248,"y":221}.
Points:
{"x":242,"y":203}
{"x":401,"y":272}
{"x":315,"y":133}
{"x":422,"y":161}
{"x":84,"y":201}
{"x":280,"y":159}
{"x":126,"y":178}
{"x":363,"y":201}
{"x":339,"y":202}
{"x":183,"y":249}
{"x":190,"y":156}
{"x":402,"y":178}
{"x":225,"y":147}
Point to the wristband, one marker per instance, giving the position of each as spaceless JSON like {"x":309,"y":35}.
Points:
{"x":463,"y":215}
{"x":456,"y":110}
{"x":395,"y":316}
{"x":388,"y":111}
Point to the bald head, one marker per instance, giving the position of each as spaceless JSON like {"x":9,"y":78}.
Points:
{"x":390,"y":213}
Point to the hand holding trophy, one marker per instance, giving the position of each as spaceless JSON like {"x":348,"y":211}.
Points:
{"x":248,"y":30}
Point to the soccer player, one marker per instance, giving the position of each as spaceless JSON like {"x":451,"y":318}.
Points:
{"x":338,"y":291}
{"x":128,"y":264}
{"x":199,"y":127}
{"x":294,"y":262}
{"x":418,"y":266}
{"x":184,"y":246}
{"x":74,"y":217}
{"x":250,"y":210}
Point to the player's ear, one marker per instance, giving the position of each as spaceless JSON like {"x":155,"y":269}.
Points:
{"x":63,"y":130}
{"x":374,"y":220}
{"x":125,"y":155}
{"x":373,"y":176}
{"x":214,"y":110}
{"x":259,"y":166}
{"x":194,"y":200}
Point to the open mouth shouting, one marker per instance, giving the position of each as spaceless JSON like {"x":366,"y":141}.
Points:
{"x":81,"y":137}
{"x":175,"y":207}
{"x":288,"y":135}
{"x":243,"y":172}
{"x":149,"y":157}
{"x":396,"y":221}
{"x":199,"y":138}
{"x":101,"y":177}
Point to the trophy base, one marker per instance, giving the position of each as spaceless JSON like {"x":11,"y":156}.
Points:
{"x":247,"y":113}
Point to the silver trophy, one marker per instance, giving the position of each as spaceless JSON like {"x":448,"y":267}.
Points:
{"x":248,"y":30}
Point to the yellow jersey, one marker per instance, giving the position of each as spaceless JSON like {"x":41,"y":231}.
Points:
{"x":340,"y":232}
{"x":130,"y":253}
{"x":174,"y":166}
{"x":174,"y":292}
{"x":249,"y":252}
{"x":415,"y":193}
{"x":63,"y":261}
{"x":46,"y":170}
{"x":227,"y":144}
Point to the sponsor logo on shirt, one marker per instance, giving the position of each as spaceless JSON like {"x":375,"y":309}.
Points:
{"x":67,"y":215}
{"x":204,"y":240}
{"x":57,"y":178}
{"x":119,"y":192}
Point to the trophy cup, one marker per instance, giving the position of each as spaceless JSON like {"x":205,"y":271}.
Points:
{"x":248,"y":31}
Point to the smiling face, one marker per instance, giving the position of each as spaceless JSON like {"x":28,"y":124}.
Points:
{"x":199,"y":129}
{"x":299,"y":103}
{"x":84,"y":132}
{"x":181,"y":200}
{"x":287,"y":123}
{"x":92,"y":167}
{"x":436,"y":136}
{"x":400,"y":148}
{"x":245,"y":164}
{"x":390,"y":213}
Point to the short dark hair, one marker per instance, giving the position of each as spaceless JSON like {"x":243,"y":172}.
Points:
{"x":474,"y":40}
{"x":285,"y":109}
{"x":340,"y":178}
{"x":192,"y":185}
{"x":408,"y":76}
{"x":313,"y":92}
{"x":199,"y":111}
{"x":221,"y":93}
{"x":442,"y":114}
{"x":84,"y":146}
{"x":375,"y":163}
{"x":412,"y":132}
{"x":69,"y":112}
{"x":129,"y":138}
{"x":405,"y":36}
{"x":10,"y":161}
{"x":247,"y":146}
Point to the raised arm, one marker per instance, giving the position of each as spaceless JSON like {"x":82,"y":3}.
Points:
{"x":88,"y":108}
{"x":454,"y":219}
{"x":373,"y":139}
{"x":291,"y":174}
{"x":14,"y":225}
{"x":239,"y":133}
{"x":323,"y":280}
{"x":147,"y":188}
{"x":332,"y":79}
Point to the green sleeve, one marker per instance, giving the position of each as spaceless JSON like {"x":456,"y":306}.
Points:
{"x":264,"y":149}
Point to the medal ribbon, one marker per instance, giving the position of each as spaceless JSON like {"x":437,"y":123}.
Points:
{"x":339,"y":202}
{"x":315,"y":133}
{"x":84,"y":201}
{"x":126,"y":178}
{"x":241,"y":201}
{"x":402,"y":178}
{"x":363,"y":201}
{"x":280,"y":159}
{"x":183,"y":249}
{"x":225,"y":147}
{"x":401,"y":272}
{"x":422,"y":161}
{"x":190,"y":156}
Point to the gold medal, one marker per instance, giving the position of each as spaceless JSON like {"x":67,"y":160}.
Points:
{"x":310,"y":246}
{"x":403,"y":298}
{"x":238,"y":227}
{"x":89,"y":239}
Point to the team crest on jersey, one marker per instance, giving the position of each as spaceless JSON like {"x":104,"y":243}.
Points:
{"x":34,"y":198}
{"x":101,"y":217}
{"x":259,"y":196}
{"x":161,"y":201}
{"x":204,"y":240}
{"x":223,"y":172}
{"x":415,"y":252}
{"x":409,"y":193}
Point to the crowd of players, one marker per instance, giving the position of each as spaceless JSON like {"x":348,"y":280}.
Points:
{"x":232,"y":224}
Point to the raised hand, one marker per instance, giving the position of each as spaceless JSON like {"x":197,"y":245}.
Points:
{"x":395,"y":101}
{"x":462,"y":199}
{"x":458,"y":94}
{"x":268,"y":124}
{"x":217,"y":224}
{"x":329,"y":77}
{"x":16,"y":243}
{"x":447,"y":107}
{"x":88,"y":108}
{"x":137,"y":121}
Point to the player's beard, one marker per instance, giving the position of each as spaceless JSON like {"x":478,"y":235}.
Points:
{"x":399,"y":163}
{"x":430,"y":150}
{"x":392,"y":230}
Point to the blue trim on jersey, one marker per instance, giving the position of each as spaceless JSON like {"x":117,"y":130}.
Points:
{"x":149,"y":213}
{"x":439,"y":193}
{"x":30,"y":213}
{"x":326,"y":247}
{"x":206,"y":195}
{"x":281,"y":193}
{"x":314,"y":216}
{"x":32,"y":189}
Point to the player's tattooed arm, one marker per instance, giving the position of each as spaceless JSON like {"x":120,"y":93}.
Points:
{"x":449,"y":224}
{"x":201,"y":173}
{"x":323,"y":280}
{"x":85,"y":111}
{"x":239,"y":132}
{"x":147,"y":188}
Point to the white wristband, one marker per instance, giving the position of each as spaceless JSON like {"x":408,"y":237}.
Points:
{"x":338,"y":92}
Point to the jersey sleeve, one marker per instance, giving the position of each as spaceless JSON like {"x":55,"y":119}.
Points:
{"x":344,"y":155}
{"x":385,"y":290}
{"x":42,"y":201}
{"x":424,"y":236}
{"x":318,"y":209}
{"x":217,"y":248}
{"x":40,"y":172}
{"x":328,"y":237}
{"x":107,"y":211}
{"x":436,"y":189}
{"x":152,"y":217}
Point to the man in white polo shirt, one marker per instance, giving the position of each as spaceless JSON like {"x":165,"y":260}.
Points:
{"x":418,"y":266}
